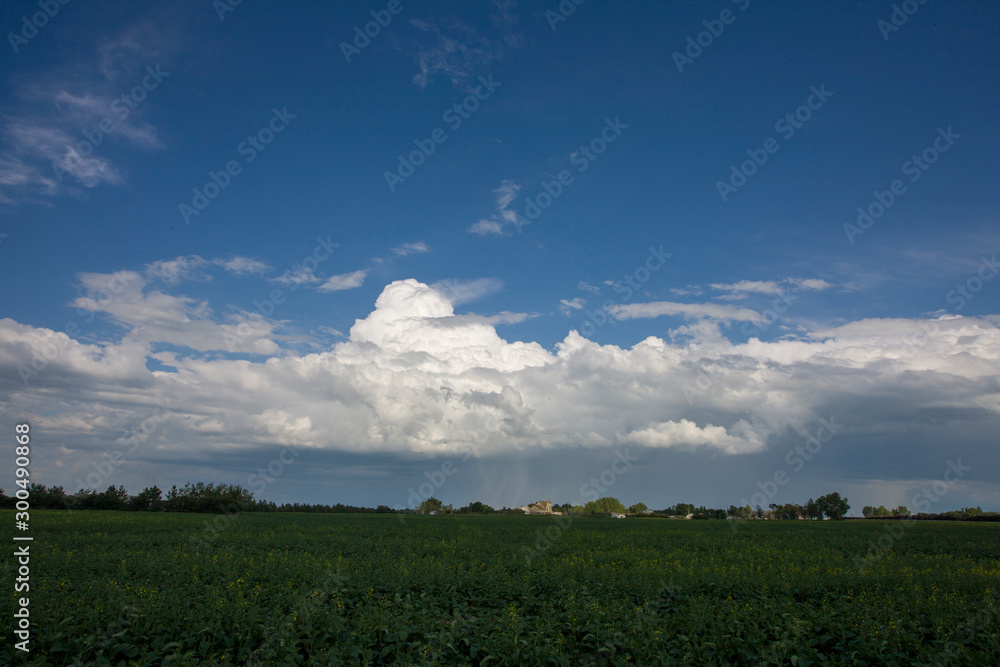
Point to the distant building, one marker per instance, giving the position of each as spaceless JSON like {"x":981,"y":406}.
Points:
{"x":541,"y":507}
{"x":616,"y":515}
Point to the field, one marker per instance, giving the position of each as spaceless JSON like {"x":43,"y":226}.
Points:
{"x":130,"y":588}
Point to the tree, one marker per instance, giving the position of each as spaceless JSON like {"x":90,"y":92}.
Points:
{"x":45,"y":498}
{"x":430,"y":505}
{"x":813,"y":510}
{"x":149,"y":499}
{"x":745,"y":512}
{"x":638,"y":508}
{"x":84,"y":499}
{"x":833,"y":506}
{"x":787,"y":511}
{"x":605,"y":505}
{"x":476,"y":508}
{"x":901,"y":511}
{"x":112,"y":499}
{"x":683,"y":509}
{"x":868,"y":511}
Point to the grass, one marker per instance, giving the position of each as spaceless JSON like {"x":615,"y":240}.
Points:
{"x":130,"y":588}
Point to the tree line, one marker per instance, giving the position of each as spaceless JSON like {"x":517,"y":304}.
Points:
{"x":830,"y":506}
{"x":192,"y":497}
{"x":900,"y":512}
{"x":229,"y":498}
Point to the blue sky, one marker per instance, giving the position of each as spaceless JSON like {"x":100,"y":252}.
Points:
{"x":199,"y":198}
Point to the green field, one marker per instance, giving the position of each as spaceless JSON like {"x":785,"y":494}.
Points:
{"x":274,"y":589}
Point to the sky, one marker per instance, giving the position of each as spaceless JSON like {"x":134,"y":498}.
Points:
{"x":710,"y":252}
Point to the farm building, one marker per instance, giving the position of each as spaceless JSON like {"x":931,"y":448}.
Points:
{"x":541,"y":507}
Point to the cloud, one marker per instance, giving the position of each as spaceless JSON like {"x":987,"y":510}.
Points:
{"x":344,"y":281}
{"x":412,"y":376}
{"x":297,"y":276}
{"x":244,"y":266}
{"x":502,"y":318}
{"x":194,"y":267}
{"x":745,"y":286}
{"x":39,"y":155}
{"x":487,"y":228}
{"x":567,"y":307}
{"x":175,"y":270}
{"x":405,"y":249}
{"x":743,"y":289}
{"x":51,"y":130}
{"x":454,"y":49}
{"x":688,"y":310}
{"x":503,"y":218}
{"x":687,"y":434}
{"x":588,"y":287}
{"x":506,"y":193}
{"x":458,"y":292}
{"x":128,"y":52}
{"x":812,"y":284}
{"x":152,"y":316}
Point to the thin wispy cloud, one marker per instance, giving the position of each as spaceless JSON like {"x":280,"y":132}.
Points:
{"x":404,"y":249}
{"x":747,"y":286}
{"x":244,"y":266}
{"x":454,"y":49}
{"x":344,"y":281}
{"x":194,"y":267}
{"x":297,"y":276}
{"x":487,"y":227}
{"x":174,"y":271}
{"x":744,"y":288}
{"x":503,"y":218}
{"x":566,"y":307}
{"x":713,"y":311}
{"x":52,"y":127}
{"x":458,"y":292}
{"x":500,"y":319}
{"x":153,"y":315}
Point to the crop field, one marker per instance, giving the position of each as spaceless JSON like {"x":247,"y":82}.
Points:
{"x":277,"y":589}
